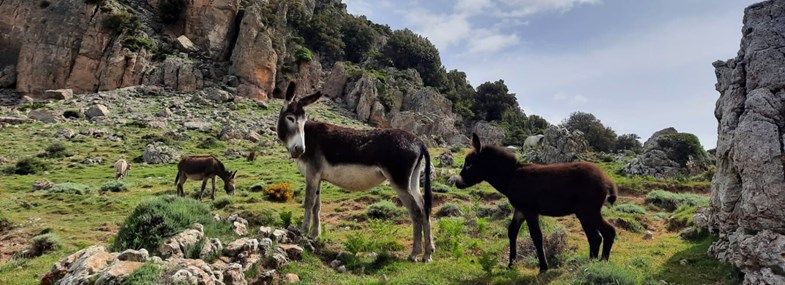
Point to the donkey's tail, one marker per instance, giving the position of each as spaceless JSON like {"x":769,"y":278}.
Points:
{"x":177,"y":178}
{"x":613,"y":192}
{"x":428,"y":193}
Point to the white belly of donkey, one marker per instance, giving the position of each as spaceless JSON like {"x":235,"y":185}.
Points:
{"x":353,"y":177}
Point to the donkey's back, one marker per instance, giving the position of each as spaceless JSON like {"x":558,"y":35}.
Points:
{"x":563,"y":189}
{"x":200,"y":166}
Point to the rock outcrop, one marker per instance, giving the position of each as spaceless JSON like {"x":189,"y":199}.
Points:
{"x":559,"y":145}
{"x":667,"y":154}
{"x":748,"y":189}
{"x":254,"y":59}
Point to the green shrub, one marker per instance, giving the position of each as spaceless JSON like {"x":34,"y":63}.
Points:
{"x":210,"y":143}
{"x":262,"y":217}
{"x":630,"y":209}
{"x":670,"y":201}
{"x":149,"y":274}
{"x":286,"y":218}
{"x":356,"y":242}
{"x":440,"y":188}
{"x":45,"y":243}
{"x":384,"y":210}
{"x":26,"y":166}
{"x":449,"y":210}
{"x":554,"y":244}
{"x":69,"y":188}
{"x":482,"y":225}
{"x":501,"y":210}
{"x":114,"y":186}
{"x":135,"y":43}
{"x":222,"y":202}
{"x":450,"y":235}
{"x":681,"y":218}
{"x":72,"y":114}
{"x":385,"y":236}
{"x":303,"y":54}
{"x":172,"y":10}
{"x":158,"y":218}
{"x":605,"y":273}
{"x":55,"y":150}
{"x":121,"y":21}
{"x":5,"y":223}
{"x":488,"y":261}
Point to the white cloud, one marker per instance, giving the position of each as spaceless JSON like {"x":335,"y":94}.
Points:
{"x":576,"y":99}
{"x":519,"y":8}
{"x":472,"y":6}
{"x":442,"y":30}
{"x":491,"y":42}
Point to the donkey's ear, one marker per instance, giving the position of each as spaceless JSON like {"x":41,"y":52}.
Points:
{"x":476,"y":142}
{"x":290,"y":91}
{"x":308,"y":100}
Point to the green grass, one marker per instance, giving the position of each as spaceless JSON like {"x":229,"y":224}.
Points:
{"x":671,"y":201}
{"x":93,"y":218}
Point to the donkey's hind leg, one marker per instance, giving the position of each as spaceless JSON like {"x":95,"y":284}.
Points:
{"x":608,"y":236}
{"x":414,"y":187}
{"x":180,"y":183}
{"x":416,"y":213}
{"x":204,"y":184}
{"x":592,"y":234}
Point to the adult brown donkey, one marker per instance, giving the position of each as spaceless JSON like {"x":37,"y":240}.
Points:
{"x":357,"y":160}
{"x":556,"y":190}
{"x":203,"y":167}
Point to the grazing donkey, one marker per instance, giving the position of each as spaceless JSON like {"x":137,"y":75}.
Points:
{"x":121,"y":168}
{"x":557,"y":190}
{"x":357,"y":160}
{"x":204,"y":167}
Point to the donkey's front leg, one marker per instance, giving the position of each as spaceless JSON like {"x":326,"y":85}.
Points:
{"x":312,"y":181}
{"x":204,"y":184}
{"x":212,"y":196}
{"x":316,"y":229}
{"x":512,"y":234}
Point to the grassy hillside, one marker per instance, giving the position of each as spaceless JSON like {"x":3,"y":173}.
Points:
{"x":466,"y":244}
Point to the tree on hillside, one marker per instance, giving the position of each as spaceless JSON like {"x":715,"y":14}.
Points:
{"x":629,"y":142}
{"x":322,"y":33}
{"x":493,"y":100}
{"x":460,"y":92}
{"x":358,"y":37}
{"x":405,"y":49}
{"x":599,"y":137}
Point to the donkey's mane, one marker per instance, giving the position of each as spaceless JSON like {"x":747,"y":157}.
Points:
{"x":501,"y":153}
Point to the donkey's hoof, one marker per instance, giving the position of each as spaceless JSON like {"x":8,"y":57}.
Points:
{"x":426,"y":259}
{"x":412,"y":258}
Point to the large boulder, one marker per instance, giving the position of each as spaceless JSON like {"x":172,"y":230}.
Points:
{"x":559,"y":145}
{"x":490,"y":133}
{"x":668,"y":154}
{"x":748,"y":189}
{"x":45,"y":116}
{"x":158,"y":153}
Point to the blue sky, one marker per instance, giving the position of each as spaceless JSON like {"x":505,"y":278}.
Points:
{"x":638,"y":65}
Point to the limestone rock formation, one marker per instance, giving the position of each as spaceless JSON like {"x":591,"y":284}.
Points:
{"x":667,"y":154}
{"x":559,"y":145}
{"x":254,"y":59}
{"x":748,"y":189}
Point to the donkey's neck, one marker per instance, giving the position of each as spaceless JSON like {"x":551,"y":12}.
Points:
{"x":501,"y":177}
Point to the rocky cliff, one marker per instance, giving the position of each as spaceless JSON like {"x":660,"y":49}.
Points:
{"x":748,"y":190}
{"x":247,"y":48}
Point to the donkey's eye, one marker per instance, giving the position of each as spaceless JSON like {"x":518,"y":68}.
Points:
{"x":290,"y":118}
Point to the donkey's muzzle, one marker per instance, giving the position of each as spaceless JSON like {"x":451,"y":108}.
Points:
{"x":297,"y":151}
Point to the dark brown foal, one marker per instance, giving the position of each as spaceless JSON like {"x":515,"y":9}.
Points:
{"x":579,"y":188}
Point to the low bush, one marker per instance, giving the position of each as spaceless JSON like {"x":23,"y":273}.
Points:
{"x":450,"y":235}
{"x":501,"y":210}
{"x":222,"y":202}
{"x":681,"y":217}
{"x":554,"y":245}
{"x":630,"y":209}
{"x":135,"y":43}
{"x":72,"y":114}
{"x":261,"y":217}
{"x":158,"y":218}
{"x":440,"y":188}
{"x":605,"y":273}
{"x":449,"y":210}
{"x":286,"y":218}
{"x":384,"y":210}
{"x":56,"y":150}
{"x":69,"y":188}
{"x":303,"y":54}
{"x":121,"y":21}
{"x":210,"y":143}
{"x":26,"y":166}
{"x":114,"y":186}
{"x":280,"y":192}
{"x":150,"y":273}
{"x":44,"y":243}
{"x":670,"y":201}
{"x":5,"y":223}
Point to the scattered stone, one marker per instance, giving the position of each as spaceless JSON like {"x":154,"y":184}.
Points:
{"x":217,"y":95}
{"x":684,"y":262}
{"x":239,"y":229}
{"x":116,"y":273}
{"x":445,"y":159}
{"x":342,"y":269}
{"x":134,"y":255}
{"x":198,"y":126}
{"x":185,"y":44}
{"x":42,"y":184}
{"x":65,"y":133}
{"x":59,"y":94}
{"x":278,"y":260}
{"x":294,"y":252}
{"x":44,"y":116}
{"x":177,"y":135}
{"x":211,"y":249}
{"x":234,"y":248}
{"x":217,"y":217}
{"x":291,"y":278}
{"x":97,"y":110}
{"x":335,"y":263}
{"x":14,"y":120}
{"x":234,"y":153}
{"x":648,"y":235}
{"x":233,"y":275}
{"x":177,"y":245}
{"x":253,"y":137}
{"x":279,"y":236}
{"x":232,"y":132}
{"x":165,"y":113}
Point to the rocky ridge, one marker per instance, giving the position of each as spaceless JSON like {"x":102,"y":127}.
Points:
{"x":748,"y":189}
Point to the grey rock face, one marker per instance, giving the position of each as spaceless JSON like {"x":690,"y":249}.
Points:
{"x":489,"y":133}
{"x":748,"y":189}
{"x":559,"y":145}
{"x":44,"y":116}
